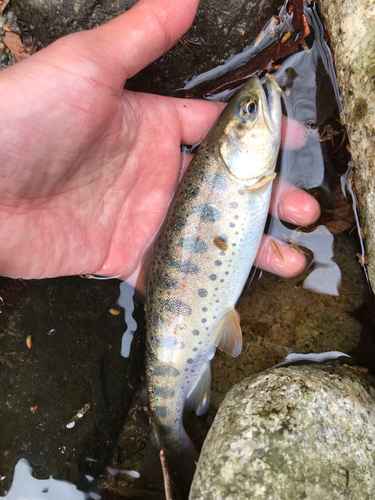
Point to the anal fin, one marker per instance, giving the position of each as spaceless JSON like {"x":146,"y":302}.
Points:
{"x":199,"y":398}
{"x":228,"y":335}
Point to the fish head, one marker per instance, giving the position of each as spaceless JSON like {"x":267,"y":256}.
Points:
{"x":248,"y":131}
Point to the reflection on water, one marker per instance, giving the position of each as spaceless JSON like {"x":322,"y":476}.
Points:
{"x":26,"y":487}
{"x":126,"y":301}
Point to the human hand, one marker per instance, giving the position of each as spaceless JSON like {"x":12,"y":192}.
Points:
{"x":87,"y":168}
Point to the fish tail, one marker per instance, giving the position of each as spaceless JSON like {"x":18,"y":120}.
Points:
{"x":182,"y":458}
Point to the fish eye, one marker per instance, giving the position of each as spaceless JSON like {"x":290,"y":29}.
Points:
{"x":246,"y":108}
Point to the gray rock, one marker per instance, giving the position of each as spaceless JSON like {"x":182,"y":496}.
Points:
{"x":351,"y":27}
{"x":293,"y":433}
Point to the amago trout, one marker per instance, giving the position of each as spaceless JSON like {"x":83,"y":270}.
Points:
{"x":201,"y":261}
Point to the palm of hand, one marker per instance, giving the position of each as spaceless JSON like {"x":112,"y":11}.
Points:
{"x":102,"y":175}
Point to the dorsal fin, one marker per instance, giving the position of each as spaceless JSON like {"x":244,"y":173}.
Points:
{"x":199,"y":398}
{"x":228,"y":335}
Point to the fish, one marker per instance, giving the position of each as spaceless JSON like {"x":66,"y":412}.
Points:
{"x":201,"y":260}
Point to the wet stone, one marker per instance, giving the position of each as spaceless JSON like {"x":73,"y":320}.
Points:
{"x":296,"y":433}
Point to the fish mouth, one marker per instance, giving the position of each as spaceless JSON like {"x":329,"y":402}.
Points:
{"x":271,"y":103}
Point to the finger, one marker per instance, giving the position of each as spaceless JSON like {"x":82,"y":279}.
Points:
{"x":141,"y":35}
{"x":284,"y":261}
{"x":196,"y":118}
{"x":293,"y":134}
{"x":294,"y":205}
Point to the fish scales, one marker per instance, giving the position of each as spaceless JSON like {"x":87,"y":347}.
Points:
{"x":201,"y":261}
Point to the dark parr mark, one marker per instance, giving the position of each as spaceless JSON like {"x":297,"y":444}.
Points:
{"x":164,"y":392}
{"x":193,"y":244}
{"x":202,"y":292}
{"x":179,"y":223}
{"x":164,"y":430}
{"x":216,"y":181}
{"x":207,"y":213}
{"x":161,"y":411}
{"x":156,"y":319}
{"x":176,"y":307}
{"x":185,"y":266}
{"x":165,"y":371}
{"x":190,"y":191}
{"x":167,"y":283}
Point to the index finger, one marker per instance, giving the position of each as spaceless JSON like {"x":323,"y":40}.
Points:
{"x":141,"y":35}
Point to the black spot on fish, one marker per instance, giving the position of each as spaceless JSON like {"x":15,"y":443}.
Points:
{"x":190,"y":191}
{"x":218,"y":262}
{"x":185,"y":266}
{"x":202,"y":292}
{"x":217,"y":300}
{"x":176,"y":307}
{"x":216,"y":181}
{"x":235,"y":217}
{"x":207,"y":213}
{"x":221,"y":281}
{"x":233,"y":204}
{"x":226,"y":272}
{"x":156,"y":319}
{"x":195,"y":332}
{"x":213,"y":277}
{"x":161,"y":411}
{"x":241,"y":192}
{"x":179,"y":223}
{"x":223,"y":237}
{"x":195,"y":349}
{"x":167,"y":283}
{"x":193,"y":244}
{"x":164,"y":392}
{"x":231,"y":224}
{"x":234,"y":244}
{"x":165,"y":371}
{"x":190,"y":361}
{"x":172,"y":343}
{"x":164,"y":430}
{"x":204,"y":309}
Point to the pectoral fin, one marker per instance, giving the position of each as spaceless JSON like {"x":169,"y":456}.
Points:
{"x":263,"y":182}
{"x":228,"y":335}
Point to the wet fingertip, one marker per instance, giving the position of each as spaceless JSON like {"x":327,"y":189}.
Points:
{"x":292,"y":265}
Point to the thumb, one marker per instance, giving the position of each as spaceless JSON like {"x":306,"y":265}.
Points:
{"x":141,"y":35}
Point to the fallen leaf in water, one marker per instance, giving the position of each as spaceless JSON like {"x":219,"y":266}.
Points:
{"x":361,"y":369}
{"x":29,"y":341}
{"x":33,"y":408}
{"x":3,"y":4}
{"x":14,"y":44}
{"x":338,"y":218}
{"x":275,"y":248}
{"x":362,"y":259}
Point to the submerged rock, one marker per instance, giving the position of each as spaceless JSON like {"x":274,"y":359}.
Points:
{"x":220,"y":29}
{"x":351,"y":27}
{"x":305,"y":432}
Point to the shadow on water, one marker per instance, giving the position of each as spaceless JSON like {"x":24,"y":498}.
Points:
{"x":324,"y":315}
